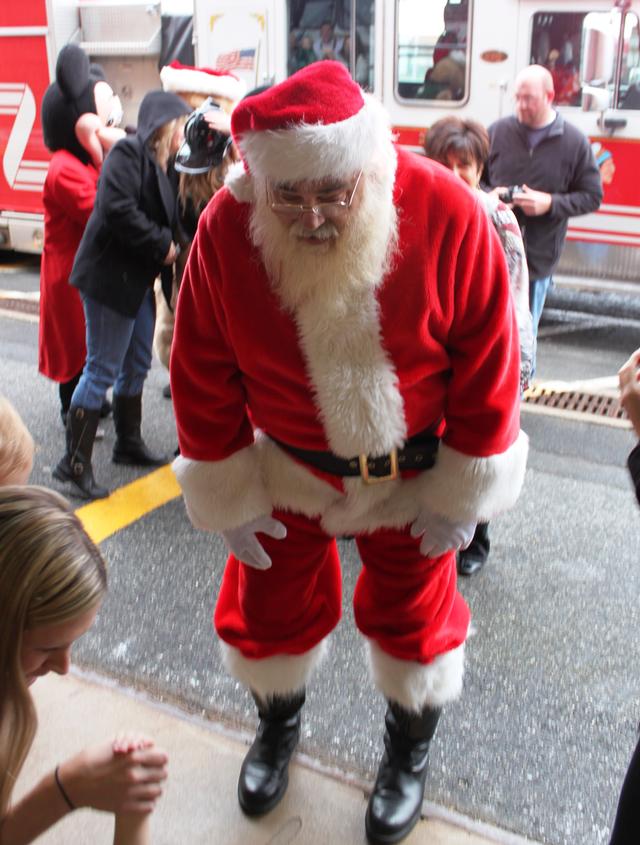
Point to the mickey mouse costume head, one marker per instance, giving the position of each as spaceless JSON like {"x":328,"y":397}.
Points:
{"x":80,"y":112}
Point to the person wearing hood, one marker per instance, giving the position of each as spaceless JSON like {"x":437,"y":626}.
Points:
{"x":130,"y":239}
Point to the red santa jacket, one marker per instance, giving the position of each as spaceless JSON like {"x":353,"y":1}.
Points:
{"x":68,"y":197}
{"x":434,"y":338}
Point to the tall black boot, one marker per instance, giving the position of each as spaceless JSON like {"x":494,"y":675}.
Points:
{"x":129,"y":447}
{"x":396,"y":800}
{"x":264,"y":775}
{"x":75,"y":466}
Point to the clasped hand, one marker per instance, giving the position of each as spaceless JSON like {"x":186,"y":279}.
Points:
{"x":124,"y":776}
{"x":439,"y":534}
{"x":244,"y":544}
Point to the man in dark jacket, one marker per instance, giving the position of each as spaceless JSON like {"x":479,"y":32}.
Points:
{"x":553,"y":166}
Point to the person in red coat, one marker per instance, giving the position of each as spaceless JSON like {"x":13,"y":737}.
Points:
{"x":80,"y":114}
{"x":345,"y":361}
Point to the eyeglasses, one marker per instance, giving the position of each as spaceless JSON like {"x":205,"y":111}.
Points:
{"x":332,"y":209}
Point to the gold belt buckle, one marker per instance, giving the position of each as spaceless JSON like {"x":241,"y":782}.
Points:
{"x":375,"y":479}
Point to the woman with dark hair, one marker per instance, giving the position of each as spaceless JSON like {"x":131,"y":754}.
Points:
{"x":463,"y":147}
{"x":129,"y":239}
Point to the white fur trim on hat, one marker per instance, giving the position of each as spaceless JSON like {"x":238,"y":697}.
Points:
{"x":194,"y":81}
{"x":240,"y":183}
{"x":418,"y":685}
{"x":313,"y":151}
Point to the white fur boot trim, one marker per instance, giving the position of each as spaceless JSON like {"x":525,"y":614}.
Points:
{"x":281,"y":675}
{"x":415,"y":685}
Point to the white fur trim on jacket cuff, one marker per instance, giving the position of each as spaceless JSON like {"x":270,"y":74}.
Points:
{"x":283,"y":674}
{"x":465,"y":488}
{"x":418,"y":685}
{"x":223,"y":494}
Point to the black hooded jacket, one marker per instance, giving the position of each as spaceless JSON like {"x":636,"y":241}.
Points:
{"x":134,"y":218}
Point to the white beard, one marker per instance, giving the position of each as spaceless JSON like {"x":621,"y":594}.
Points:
{"x":330,"y":289}
{"x":357,"y":258}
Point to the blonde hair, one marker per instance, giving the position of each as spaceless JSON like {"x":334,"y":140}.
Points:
{"x":16,"y":444}
{"x":160,"y":141}
{"x":50,"y":572}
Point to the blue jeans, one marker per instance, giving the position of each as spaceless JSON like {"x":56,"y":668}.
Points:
{"x":119,"y":352}
{"x":537,"y":294}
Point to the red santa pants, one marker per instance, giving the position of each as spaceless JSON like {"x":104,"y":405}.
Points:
{"x":408,"y":604}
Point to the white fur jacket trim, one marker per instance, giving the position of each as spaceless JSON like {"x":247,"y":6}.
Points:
{"x":220,"y":495}
{"x":225,"y":494}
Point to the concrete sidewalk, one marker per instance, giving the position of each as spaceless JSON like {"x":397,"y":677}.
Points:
{"x":199,"y":805}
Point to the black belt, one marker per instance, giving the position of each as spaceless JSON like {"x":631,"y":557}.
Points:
{"x":419,"y":452}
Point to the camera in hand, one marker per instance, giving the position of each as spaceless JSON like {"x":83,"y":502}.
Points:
{"x":507,"y":195}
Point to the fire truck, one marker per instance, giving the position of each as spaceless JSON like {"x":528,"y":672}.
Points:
{"x":422,"y":58}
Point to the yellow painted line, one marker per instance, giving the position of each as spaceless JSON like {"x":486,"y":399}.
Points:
{"x":127,"y":504}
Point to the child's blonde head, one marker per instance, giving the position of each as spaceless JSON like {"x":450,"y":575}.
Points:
{"x":16,"y":446}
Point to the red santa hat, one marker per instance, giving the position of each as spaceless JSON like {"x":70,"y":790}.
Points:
{"x":177,"y":77}
{"x":316,"y":124}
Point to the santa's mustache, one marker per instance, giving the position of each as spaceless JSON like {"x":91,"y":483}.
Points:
{"x":324,"y":232}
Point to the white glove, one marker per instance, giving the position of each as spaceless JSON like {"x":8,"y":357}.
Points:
{"x":439,"y":534}
{"x":244,"y":544}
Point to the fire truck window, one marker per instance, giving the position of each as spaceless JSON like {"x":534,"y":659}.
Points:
{"x":630,"y":77}
{"x":322,"y":29}
{"x":556,"y":43}
{"x":432,"y":49}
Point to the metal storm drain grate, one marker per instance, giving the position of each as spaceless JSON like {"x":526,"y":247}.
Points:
{"x":599,"y":407}
{"x":20,"y":305}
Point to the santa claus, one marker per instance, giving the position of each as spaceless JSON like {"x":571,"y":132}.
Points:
{"x":345,"y":361}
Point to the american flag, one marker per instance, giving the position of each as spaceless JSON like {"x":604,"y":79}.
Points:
{"x":236,"y":60}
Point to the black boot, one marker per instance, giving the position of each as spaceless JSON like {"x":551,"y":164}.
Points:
{"x":264,"y":775}
{"x":76,"y":466}
{"x":129,"y":447}
{"x":474,"y":557}
{"x":396,"y":800}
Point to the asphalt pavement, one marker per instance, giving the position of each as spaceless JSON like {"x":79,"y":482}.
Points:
{"x":538,"y":744}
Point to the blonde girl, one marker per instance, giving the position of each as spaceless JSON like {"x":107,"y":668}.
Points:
{"x":52,"y":583}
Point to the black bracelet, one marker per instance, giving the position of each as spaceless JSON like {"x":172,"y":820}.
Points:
{"x":69,"y":802}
